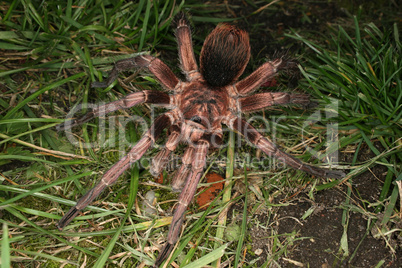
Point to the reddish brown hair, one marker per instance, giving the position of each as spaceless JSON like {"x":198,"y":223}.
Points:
{"x":224,"y":55}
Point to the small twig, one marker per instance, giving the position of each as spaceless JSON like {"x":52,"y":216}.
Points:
{"x":43,"y":149}
{"x":264,"y":7}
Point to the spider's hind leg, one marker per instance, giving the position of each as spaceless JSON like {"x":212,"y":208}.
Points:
{"x":263,"y":74}
{"x":188,"y":63}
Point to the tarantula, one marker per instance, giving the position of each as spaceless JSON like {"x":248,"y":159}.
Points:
{"x":210,"y":96}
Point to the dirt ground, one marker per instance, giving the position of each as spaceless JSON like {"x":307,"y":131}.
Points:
{"x":320,"y":234}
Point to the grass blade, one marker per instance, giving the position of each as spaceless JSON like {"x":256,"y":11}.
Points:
{"x":5,"y":248}
{"x":209,"y":258}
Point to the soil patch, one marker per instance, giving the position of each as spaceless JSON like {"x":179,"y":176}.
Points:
{"x":319,"y":238}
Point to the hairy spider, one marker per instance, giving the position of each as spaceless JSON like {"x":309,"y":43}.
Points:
{"x":210,"y":96}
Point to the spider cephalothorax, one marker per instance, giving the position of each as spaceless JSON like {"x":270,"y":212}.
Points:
{"x":209,"y":98}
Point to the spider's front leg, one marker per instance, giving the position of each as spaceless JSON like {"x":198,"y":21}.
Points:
{"x":187,"y":194}
{"x":272,"y":150}
{"x":181,"y":176}
{"x":161,"y":159}
{"x":112,"y":175}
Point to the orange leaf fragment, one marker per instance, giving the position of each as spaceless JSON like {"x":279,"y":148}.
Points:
{"x":211,"y":192}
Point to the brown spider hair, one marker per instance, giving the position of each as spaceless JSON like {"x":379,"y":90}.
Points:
{"x":224,"y":55}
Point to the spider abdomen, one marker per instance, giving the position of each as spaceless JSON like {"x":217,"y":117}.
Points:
{"x":224,"y":55}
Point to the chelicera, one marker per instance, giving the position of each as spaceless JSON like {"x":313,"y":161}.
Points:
{"x":210,"y":97}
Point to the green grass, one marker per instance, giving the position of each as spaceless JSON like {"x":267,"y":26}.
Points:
{"x":52,"y":52}
{"x":360,"y":79}
{"x":358,"y":75}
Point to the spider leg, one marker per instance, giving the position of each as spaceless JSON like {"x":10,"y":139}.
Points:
{"x":180,"y":179}
{"x":259,"y":76}
{"x":191,"y":135}
{"x":271,"y":149}
{"x":262,"y":100}
{"x":185,"y":198}
{"x":161,"y":71}
{"x":188,"y":63}
{"x":146,"y":96}
{"x":161,"y":159}
{"x":112,"y":174}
